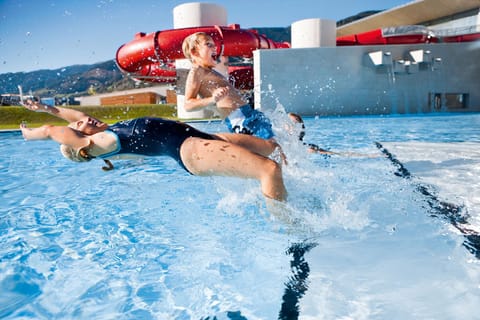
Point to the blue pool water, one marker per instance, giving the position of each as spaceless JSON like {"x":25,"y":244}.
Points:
{"x":148,"y":241}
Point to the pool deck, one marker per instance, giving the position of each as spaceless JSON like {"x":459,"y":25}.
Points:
{"x":449,"y":169}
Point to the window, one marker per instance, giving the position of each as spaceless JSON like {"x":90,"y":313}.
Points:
{"x":456,"y":100}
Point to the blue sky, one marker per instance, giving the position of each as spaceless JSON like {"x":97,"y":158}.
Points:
{"x":50,"y":34}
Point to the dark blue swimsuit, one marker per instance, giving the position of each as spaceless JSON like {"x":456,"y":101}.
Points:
{"x":153,"y":137}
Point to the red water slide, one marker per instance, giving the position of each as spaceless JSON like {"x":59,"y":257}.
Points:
{"x":150,"y":57}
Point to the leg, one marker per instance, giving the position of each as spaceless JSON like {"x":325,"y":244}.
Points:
{"x":254,"y":144}
{"x":214,"y":157}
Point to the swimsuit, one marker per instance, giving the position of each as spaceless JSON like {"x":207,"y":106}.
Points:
{"x":153,"y":137}
{"x":249,"y":121}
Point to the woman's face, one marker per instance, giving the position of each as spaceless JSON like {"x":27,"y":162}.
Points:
{"x":90,"y":126}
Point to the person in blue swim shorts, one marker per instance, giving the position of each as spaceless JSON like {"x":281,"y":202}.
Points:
{"x":205,"y":86}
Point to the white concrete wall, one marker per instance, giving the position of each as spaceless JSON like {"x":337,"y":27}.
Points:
{"x":344,"y":80}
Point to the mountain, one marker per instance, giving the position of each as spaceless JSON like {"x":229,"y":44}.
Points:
{"x":356,"y":17}
{"x":276,"y":34}
{"x":76,"y":80}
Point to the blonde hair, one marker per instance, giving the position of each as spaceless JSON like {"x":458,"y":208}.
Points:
{"x":75,"y":155}
{"x":82,"y":156}
{"x":191,"y":42}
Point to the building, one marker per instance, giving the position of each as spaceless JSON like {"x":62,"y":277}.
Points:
{"x":438,"y":14}
{"x":151,"y":95}
{"x":424,"y":70}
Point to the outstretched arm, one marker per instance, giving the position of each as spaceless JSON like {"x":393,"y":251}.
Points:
{"x":60,"y":134}
{"x":313,"y":148}
{"x":70,"y":115}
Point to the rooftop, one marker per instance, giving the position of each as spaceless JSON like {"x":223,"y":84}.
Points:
{"x":415,"y":12}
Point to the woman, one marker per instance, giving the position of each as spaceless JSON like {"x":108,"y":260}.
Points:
{"x":199,"y":153}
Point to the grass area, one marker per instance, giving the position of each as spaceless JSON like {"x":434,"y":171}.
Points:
{"x":11,"y":117}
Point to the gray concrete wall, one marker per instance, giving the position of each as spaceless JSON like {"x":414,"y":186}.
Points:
{"x":345,"y":80}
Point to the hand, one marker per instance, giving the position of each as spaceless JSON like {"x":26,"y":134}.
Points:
{"x":220,"y":93}
{"x":279,"y":152}
{"x":24,"y":129}
{"x":35,"y":106}
{"x":283,"y":157}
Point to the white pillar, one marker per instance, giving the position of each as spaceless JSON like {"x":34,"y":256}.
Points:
{"x":196,"y":14}
{"x":190,"y":15}
{"x":314,"y":33}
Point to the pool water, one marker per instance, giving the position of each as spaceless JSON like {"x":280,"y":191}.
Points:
{"x":149,"y":241}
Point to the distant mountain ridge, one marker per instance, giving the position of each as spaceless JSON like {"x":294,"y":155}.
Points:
{"x":73,"y":80}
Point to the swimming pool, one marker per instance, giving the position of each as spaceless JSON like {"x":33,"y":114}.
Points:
{"x":148,"y":241}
